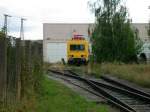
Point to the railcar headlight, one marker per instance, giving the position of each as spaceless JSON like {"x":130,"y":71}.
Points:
{"x":83,"y":56}
{"x":71,"y":56}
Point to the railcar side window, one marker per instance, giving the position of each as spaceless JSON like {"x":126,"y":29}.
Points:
{"x":77,"y":47}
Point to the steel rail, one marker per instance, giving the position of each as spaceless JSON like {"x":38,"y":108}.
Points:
{"x":112,"y":84}
{"x":109,"y":98}
{"x":88,"y":90}
{"x":105,"y":90}
{"x":125,"y":86}
{"x":128,"y":92}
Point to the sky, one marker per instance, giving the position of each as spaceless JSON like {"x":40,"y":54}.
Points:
{"x":38,"y":12}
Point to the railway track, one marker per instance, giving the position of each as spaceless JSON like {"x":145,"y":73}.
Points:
{"x":77,"y":83}
{"x":127,"y":98}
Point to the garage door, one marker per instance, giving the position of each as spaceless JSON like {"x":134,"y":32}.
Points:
{"x":56,"y":51}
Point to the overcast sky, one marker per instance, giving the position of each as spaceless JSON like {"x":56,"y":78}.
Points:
{"x":38,"y":12}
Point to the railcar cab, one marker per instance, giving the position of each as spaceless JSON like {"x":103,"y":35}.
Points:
{"x":77,"y":50}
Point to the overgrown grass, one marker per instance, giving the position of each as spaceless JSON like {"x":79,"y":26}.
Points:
{"x":136,"y":73}
{"x":55,"y":97}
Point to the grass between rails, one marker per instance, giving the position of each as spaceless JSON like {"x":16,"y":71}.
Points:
{"x":55,"y":97}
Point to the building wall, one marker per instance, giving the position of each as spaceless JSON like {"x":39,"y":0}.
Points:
{"x":59,"y":33}
{"x":142,"y":30}
{"x":63,"y":31}
{"x":56,"y":52}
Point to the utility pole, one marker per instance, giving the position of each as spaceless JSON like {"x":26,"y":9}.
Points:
{"x":5,"y":23}
{"x":22,"y":29}
{"x":4,"y":60}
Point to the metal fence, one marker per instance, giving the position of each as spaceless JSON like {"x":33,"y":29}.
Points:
{"x":19,"y":62}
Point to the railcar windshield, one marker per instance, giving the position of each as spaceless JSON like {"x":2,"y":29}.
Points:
{"x":77,"y":47}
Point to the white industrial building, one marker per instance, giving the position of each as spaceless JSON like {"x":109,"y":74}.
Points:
{"x":55,"y":36}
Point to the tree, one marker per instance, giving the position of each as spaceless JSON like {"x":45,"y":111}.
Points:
{"x":113,"y":39}
{"x":2,"y":34}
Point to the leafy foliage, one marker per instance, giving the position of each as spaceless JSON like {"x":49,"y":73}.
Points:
{"x":2,"y":35}
{"x":113,"y":38}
